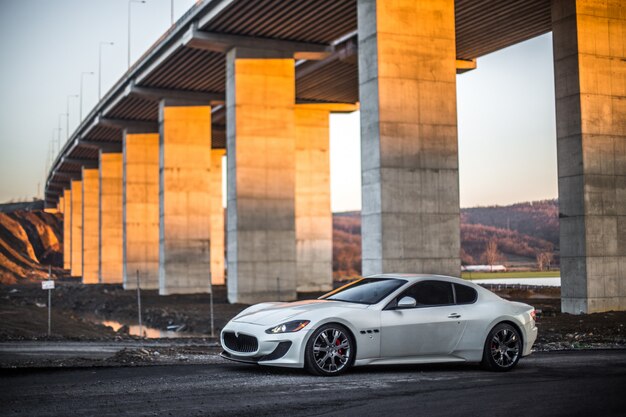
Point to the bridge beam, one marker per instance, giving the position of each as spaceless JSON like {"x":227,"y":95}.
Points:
{"x":76,"y":232}
{"x":87,"y":163}
{"x":111,"y":218}
{"x":221,"y":42}
{"x":131,"y":126}
{"x":181,"y":97}
{"x":589,"y":63}
{"x":410,"y":182}
{"x":184,"y":199}
{"x":141,"y":210}
{"x":107,"y":147}
{"x":260,"y":97}
{"x":91,"y":226}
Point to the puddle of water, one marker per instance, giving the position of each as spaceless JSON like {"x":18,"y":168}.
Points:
{"x":149,"y":332}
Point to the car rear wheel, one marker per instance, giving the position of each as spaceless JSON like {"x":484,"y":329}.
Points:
{"x":503,"y":348}
{"x":329,"y":351}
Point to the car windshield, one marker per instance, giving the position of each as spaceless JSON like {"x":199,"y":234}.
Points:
{"x":365,"y":290}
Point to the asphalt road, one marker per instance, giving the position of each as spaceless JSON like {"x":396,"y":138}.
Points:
{"x":587,"y":383}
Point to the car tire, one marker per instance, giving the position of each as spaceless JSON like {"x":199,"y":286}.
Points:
{"x":503,"y":348}
{"x":330,"y":344}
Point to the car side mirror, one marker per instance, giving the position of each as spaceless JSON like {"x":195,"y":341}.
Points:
{"x":406,"y":302}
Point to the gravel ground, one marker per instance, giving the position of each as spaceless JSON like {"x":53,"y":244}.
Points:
{"x":23,"y":317}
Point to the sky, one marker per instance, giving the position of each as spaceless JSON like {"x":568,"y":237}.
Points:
{"x":506,"y":119}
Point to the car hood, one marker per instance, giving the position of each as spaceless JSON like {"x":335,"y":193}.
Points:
{"x":268,"y":314}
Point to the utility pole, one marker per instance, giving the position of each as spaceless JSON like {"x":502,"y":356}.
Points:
{"x":49,"y":303}
{"x":211,"y":304}
{"x":49,"y":286}
{"x":139,"y":306}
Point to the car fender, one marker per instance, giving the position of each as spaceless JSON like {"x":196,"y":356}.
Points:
{"x":367,"y":345}
{"x":506,"y":318}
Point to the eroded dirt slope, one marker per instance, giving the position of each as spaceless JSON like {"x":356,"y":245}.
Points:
{"x":29,"y":242}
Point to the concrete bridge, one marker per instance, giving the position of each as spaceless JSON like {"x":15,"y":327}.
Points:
{"x":139,"y":181}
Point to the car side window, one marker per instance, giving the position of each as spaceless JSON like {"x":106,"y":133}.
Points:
{"x":465,"y":294}
{"x":430,"y":293}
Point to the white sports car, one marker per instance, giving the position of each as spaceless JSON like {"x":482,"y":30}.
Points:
{"x":385,"y":319}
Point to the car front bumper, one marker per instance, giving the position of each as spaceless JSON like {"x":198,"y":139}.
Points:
{"x":283,"y":349}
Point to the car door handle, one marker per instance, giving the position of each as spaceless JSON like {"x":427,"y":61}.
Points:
{"x":454,"y":316}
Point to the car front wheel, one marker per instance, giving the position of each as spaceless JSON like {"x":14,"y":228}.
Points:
{"x":329,"y":351}
{"x":503,"y":348}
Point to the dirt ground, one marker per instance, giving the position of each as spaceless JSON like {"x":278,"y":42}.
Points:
{"x":78,"y":308}
{"x":560,"y":331}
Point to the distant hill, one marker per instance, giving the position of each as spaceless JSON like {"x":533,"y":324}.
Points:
{"x":347,"y":244}
{"x":539,"y":219}
{"x":521,"y":231}
{"x":28,"y":241}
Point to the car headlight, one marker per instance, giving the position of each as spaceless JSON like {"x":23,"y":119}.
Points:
{"x":289,"y":327}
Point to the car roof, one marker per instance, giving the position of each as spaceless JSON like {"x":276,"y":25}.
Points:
{"x":485,"y":294}
{"x":417,"y":277}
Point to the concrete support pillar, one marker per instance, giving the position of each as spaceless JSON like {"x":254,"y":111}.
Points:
{"x":91,"y":226}
{"x":590,"y":79}
{"x":314,"y":222}
{"x":260,"y":97}
{"x":67,"y":229}
{"x":111,"y":218}
{"x":407,"y":84}
{"x":141,"y":210}
{"x":61,"y":204}
{"x":185,"y":201}
{"x":217,"y":217}
{"x":76,"y":262}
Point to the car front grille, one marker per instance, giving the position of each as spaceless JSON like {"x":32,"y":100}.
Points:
{"x":242,"y":343}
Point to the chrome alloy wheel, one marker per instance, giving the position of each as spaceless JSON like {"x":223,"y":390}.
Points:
{"x":332,"y":350}
{"x":505,"y":348}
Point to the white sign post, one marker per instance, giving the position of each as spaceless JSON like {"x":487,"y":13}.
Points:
{"x":49,"y":286}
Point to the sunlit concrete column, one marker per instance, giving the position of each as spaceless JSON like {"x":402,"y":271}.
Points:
{"x":61,"y":205}
{"x":91,"y":226}
{"x":410,"y":184}
{"x":217,"y":217}
{"x":260,"y":97}
{"x":185,"y":164}
{"x":589,"y":40}
{"x":314,"y":223}
{"x":67,"y":228}
{"x":76,"y":266}
{"x":141,"y":210}
{"x":111,"y":218}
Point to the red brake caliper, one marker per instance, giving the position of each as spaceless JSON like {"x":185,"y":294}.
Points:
{"x":337,"y":342}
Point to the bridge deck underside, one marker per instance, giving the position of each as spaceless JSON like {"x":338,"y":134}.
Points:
{"x":482,"y":27}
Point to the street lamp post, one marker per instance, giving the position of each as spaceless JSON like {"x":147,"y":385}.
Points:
{"x":67,"y":121}
{"x":55,"y":135}
{"x":100,"y":67}
{"x":172,"y":12}
{"x":129,"y":3}
{"x":80,"y":110}
{"x":59,"y":130}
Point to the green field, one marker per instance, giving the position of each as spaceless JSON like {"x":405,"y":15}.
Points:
{"x":523,"y":274}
